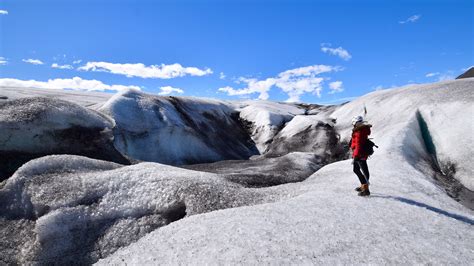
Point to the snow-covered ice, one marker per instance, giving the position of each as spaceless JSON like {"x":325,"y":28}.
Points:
{"x":90,"y":99}
{"x":27,"y":123}
{"x":408,"y":218}
{"x":266,"y":119}
{"x":175,"y":130}
{"x":85,"y":209}
{"x":261,"y":171}
{"x":75,"y":209}
{"x":36,"y":126}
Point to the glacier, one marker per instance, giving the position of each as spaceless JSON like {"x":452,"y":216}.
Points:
{"x":273,"y":183}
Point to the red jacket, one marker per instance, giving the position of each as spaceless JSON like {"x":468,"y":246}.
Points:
{"x":360,"y":133}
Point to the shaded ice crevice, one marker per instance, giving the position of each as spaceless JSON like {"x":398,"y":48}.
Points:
{"x":444,"y":171}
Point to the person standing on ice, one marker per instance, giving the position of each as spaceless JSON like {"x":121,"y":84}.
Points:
{"x":360,"y":134}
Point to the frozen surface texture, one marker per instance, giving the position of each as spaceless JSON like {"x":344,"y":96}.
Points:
{"x":425,"y":123}
{"x":78,"y":209}
{"x":36,"y":126}
{"x":270,"y":209}
{"x":90,"y":99}
{"x":265,"y":119}
{"x":262,"y":171}
{"x":308,"y":133}
{"x":408,"y":219}
{"x":177,"y":131}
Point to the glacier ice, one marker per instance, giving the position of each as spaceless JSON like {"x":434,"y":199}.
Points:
{"x":269,"y":209}
{"x":175,"y":130}
{"x":36,"y":126}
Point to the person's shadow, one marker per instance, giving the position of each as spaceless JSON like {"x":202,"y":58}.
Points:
{"x":426,"y":206}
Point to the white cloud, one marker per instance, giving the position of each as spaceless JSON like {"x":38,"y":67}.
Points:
{"x":3,"y":61}
{"x":432,"y":74}
{"x":294,"y":82}
{"x":336,"y":87}
{"x":140,"y":70}
{"x":222,"y":75}
{"x":3,"y":12}
{"x":33,"y":61}
{"x":61,"y":66}
{"x":411,"y":19}
{"x":75,"y":62}
{"x":339,"y":51}
{"x":166,"y":90}
{"x":75,"y":83}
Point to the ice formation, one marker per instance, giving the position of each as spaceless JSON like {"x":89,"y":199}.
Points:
{"x":269,"y":209}
{"x":175,"y":130}
{"x":408,"y":219}
{"x":37,"y":126}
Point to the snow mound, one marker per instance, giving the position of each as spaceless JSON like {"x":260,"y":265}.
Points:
{"x":266,"y":119}
{"x":325,"y":224}
{"x":33,"y":127}
{"x":436,"y":120}
{"x":176,"y":130}
{"x":79,"y":209}
{"x":89,"y":99}
{"x":70,"y":209}
{"x":408,"y":219}
{"x":308,"y":133}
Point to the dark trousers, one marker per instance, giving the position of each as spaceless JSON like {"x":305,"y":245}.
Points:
{"x":364,"y":175}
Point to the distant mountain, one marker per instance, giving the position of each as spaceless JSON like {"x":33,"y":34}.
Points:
{"x":468,"y":74}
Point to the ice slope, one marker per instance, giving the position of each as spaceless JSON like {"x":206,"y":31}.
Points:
{"x":146,"y":127}
{"x":408,"y":219}
{"x":89,"y":99}
{"x":35,"y":126}
{"x":69,"y":209}
{"x":308,"y":133}
{"x":328,"y":224}
{"x":265,"y":119}
{"x":177,"y":131}
{"x":72,"y":209}
{"x":438,"y":119}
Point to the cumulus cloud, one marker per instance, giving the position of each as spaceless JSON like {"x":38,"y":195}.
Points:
{"x":166,"y":90}
{"x":3,"y":12}
{"x":75,"y":83}
{"x":336,"y":87}
{"x":33,"y":61}
{"x":411,"y":19}
{"x":294,"y":82}
{"x":140,"y":70}
{"x":3,"y":61}
{"x":75,"y":62}
{"x":61,"y":66}
{"x":339,"y":51}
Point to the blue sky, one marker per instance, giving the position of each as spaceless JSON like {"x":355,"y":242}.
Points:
{"x":309,"y":51}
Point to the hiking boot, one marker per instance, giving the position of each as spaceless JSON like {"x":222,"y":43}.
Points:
{"x":365,"y":190}
{"x":358,"y":189}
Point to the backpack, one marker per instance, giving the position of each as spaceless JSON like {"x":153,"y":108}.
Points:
{"x":368,"y":147}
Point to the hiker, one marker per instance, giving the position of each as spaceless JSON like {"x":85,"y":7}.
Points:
{"x":360,"y":134}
